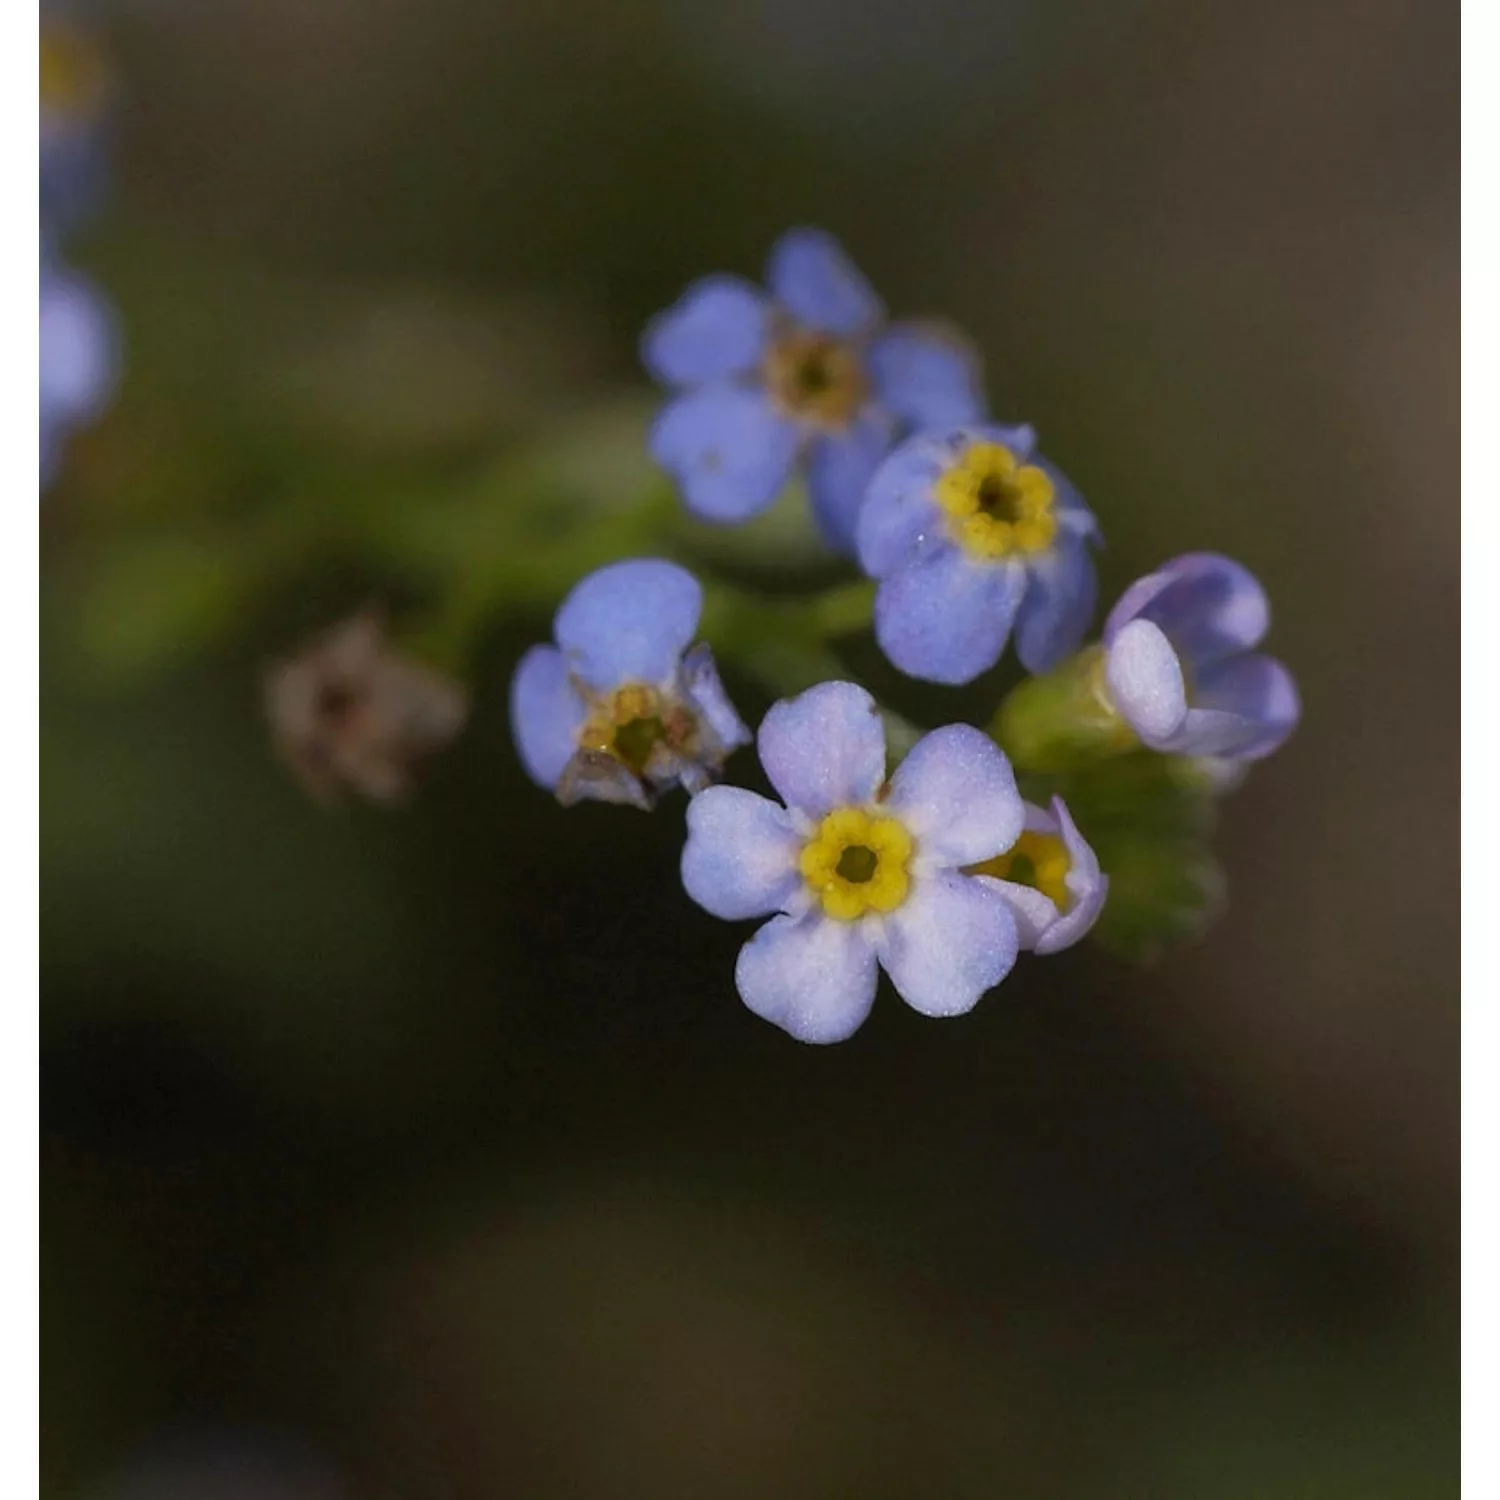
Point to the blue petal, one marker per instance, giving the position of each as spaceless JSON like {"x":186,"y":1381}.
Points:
{"x":1261,"y":693}
{"x":1055,"y":614}
{"x":839,"y":468}
{"x":952,"y":939}
{"x":1209,"y":606}
{"x":956,"y":793}
{"x":813,"y":977}
{"x":546,"y":714}
{"x":729,"y":450}
{"x":1145,"y":682}
{"x":812,"y":278}
{"x":899,"y":519}
{"x":1035,"y":914}
{"x":629,"y":622}
{"x":716,"y":329}
{"x":824,"y":748}
{"x":1087,"y":887}
{"x":740,"y":859}
{"x":700,"y":682}
{"x":927,"y":376}
{"x":946,"y":618}
{"x":76,"y":340}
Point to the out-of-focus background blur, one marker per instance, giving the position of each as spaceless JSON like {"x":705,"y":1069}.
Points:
{"x":429,"y":1153}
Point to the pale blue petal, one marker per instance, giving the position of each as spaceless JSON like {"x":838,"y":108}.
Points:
{"x":1209,"y":606}
{"x":1260,"y":692}
{"x":700,"y":682}
{"x":728,"y":449}
{"x":927,"y":376}
{"x":947,"y":618}
{"x":629,"y":622}
{"x":956,"y":794}
{"x":1087,"y":887}
{"x":546,"y":714}
{"x":1035,"y":913}
{"x":716,"y":329}
{"x":812,"y":278}
{"x":76,"y":342}
{"x":1145,"y":682}
{"x":839,"y":469}
{"x":811,"y":976}
{"x":1059,"y":605}
{"x":740,"y":859}
{"x":824,"y":748}
{"x":900,"y":520}
{"x":952,"y":939}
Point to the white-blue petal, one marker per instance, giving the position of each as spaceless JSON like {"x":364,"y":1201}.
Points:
{"x":545,"y":714}
{"x":812,"y":278}
{"x":728,"y":449}
{"x":1087,"y":887}
{"x":824,"y":748}
{"x":956,"y":794}
{"x":1145,"y":682}
{"x":700,"y":683}
{"x":740,"y":859}
{"x":629,"y":622}
{"x":899,"y":519}
{"x":927,"y":376}
{"x":947,"y":618}
{"x":1257,"y":690}
{"x":716,"y":329}
{"x":1209,"y":606}
{"x":1059,"y":605}
{"x":839,"y":468}
{"x":811,"y":976}
{"x":952,"y":939}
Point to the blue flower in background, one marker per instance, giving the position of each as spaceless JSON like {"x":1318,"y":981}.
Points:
{"x":1051,"y":878}
{"x":810,"y":374}
{"x":75,"y":93}
{"x":1180,"y":666}
{"x":863,"y":873}
{"x":620,"y":710}
{"x":973,"y":535}
{"x":79,"y":358}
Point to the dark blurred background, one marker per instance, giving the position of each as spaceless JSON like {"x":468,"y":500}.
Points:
{"x":430,"y":1153}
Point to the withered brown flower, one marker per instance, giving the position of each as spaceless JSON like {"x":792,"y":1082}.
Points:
{"x":349,"y":710}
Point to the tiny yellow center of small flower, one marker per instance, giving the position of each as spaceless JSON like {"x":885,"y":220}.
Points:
{"x":996,"y":507}
{"x":74,"y":76}
{"x":1039,"y":860}
{"x":815,"y":378}
{"x":631,"y":722}
{"x":856,"y":863}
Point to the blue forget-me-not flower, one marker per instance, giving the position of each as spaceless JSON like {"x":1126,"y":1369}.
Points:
{"x":973,"y":535}
{"x":861,"y":872}
{"x":1180,"y":665}
{"x":809,"y":374}
{"x":79,"y":351}
{"x":620,"y":709}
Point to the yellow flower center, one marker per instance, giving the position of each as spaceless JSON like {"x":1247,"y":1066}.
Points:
{"x":995,"y":506}
{"x":74,"y":75}
{"x":856,"y":863}
{"x":815,"y":378}
{"x":1039,"y":860}
{"x":631,"y":722}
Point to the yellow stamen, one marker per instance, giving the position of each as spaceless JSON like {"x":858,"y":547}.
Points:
{"x":1039,"y":860}
{"x":996,"y":507}
{"x":815,"y":378}
{"x":856,"y":863}
{"x":631,"y":722}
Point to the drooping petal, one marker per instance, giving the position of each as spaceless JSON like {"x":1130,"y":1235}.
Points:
{"x":740,"y":859}
{"x":1087,"y":887}
{"x":811,"y":976}
{"x":956,"y":794}
{"x":700,"y":683}
{"x":839,"y":469}
{"x":716,"y":329}
{"x":1035,"y":913}
{"x":812,"y":278}
{"x":728,"y":449}
{"x":951,"y":940}
{"x":546,"y":714}
{"x":1145,"y":682}
{"x":1258,"y":691}
{"x":824,"y":748}
{"x":926,"y":375}
{"x":947,"y":618}
{"x":1209,"y":607}
{"x":899,"y":519}
{"x":629,"y":622}
{"x":1055,"y":614}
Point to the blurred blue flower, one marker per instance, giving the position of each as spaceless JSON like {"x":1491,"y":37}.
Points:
{"x":1180,"y":668}
{"x":810,"y":374}
{"x":1052,"y":880}
{"x":74,"y":93}
{"x":863,"y":873}
{"x":616,"y":712}
{"x":973,"y":534}
{"x":79,"y":349}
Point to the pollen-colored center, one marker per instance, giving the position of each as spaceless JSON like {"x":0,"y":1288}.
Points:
{"x":815,"y":378}
{"x":1039,"y":860}
{"x":856,"y":863}
{"x":995,"y":506}
{"x":631,"y":722}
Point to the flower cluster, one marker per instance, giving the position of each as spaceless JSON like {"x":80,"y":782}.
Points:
{"x":942,"y":869}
